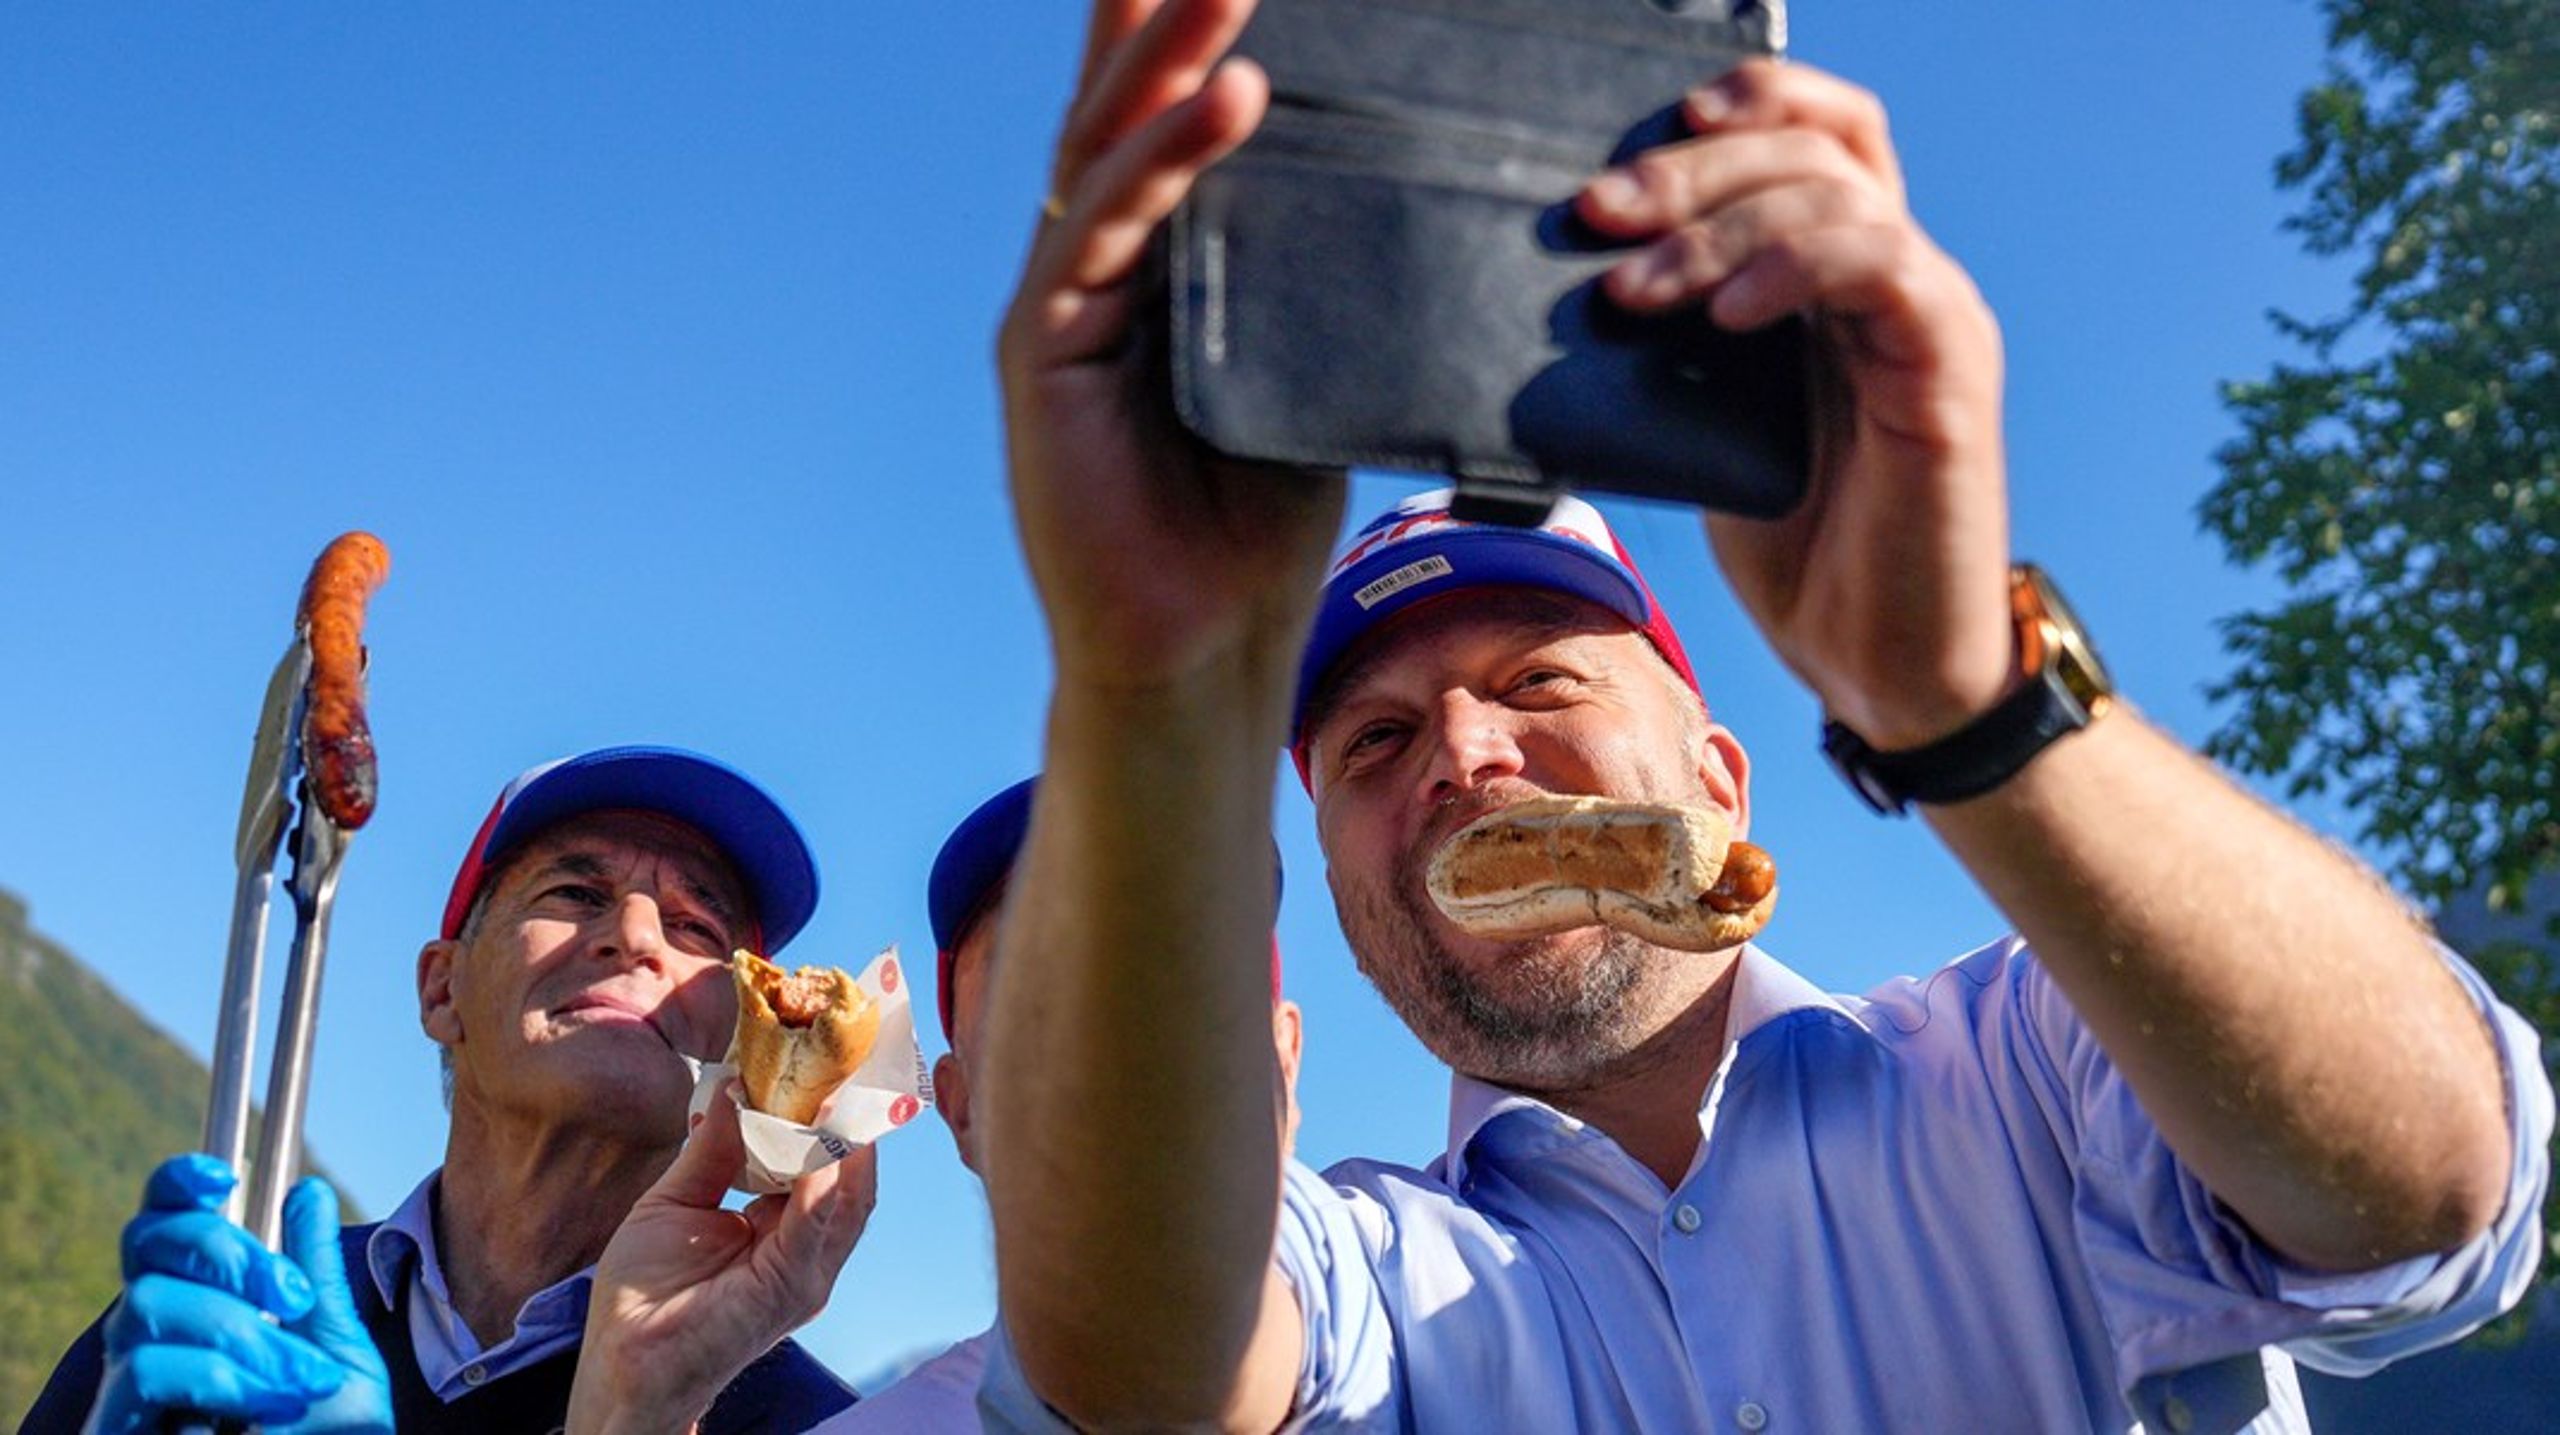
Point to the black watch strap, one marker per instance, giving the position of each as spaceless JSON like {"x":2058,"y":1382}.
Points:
{"x":1968,"y":762}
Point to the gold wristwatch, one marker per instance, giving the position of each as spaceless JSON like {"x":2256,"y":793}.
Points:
{"x":2065,"y":689}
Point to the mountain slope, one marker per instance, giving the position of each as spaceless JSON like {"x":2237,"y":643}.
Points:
{"x":91,"y":1098}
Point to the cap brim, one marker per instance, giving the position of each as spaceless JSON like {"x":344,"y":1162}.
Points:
{"x":747,"y":825}
{"x":974,"y":858}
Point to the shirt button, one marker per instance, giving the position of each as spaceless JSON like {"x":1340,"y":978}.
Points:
{"x":1750,"y":1416}
{"x":474,"y":1375}
{"x":1686,"y":1218}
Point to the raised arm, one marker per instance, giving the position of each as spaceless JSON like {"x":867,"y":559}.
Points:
{"x":2283,"y":1019}
{"x":1129,"y":1124}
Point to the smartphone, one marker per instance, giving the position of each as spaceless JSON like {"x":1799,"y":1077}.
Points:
{"x":1389,"y":274}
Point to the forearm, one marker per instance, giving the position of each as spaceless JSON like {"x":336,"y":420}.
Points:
{"x":1132,"y":1140}
{"x":2280,"y":1014}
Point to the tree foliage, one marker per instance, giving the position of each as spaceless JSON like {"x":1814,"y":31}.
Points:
{"x":2404,"y":476}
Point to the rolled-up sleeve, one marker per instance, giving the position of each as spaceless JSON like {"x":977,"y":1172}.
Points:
{"x":1346,"y":1367}
{"x":2182,"y":1282}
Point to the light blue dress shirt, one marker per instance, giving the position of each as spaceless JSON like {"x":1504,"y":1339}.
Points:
{"x":402,"y":1252}
{"x":938,"y":1397}
{"x":1933,"y":1208}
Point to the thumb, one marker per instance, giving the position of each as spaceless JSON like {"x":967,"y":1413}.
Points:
{"x":311,"y":1242}
{"x":713,"y":1155}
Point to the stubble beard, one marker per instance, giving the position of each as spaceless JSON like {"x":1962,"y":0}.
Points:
{"x":1547,"y":1016}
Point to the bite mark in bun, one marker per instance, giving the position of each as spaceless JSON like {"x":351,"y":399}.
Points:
{"x":800,"y":1035}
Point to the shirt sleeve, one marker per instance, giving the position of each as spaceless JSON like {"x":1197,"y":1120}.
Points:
{"x":1347,"y":1372}
{"x":2183,"y":1283}
{"x":1346,"y":1368}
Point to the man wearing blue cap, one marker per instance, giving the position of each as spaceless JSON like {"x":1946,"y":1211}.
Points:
{"x":2220,"y":1104}
{"x":583,"y":952}
{"x":963,"y":895}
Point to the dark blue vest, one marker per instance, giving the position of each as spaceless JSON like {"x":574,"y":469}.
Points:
{"x":782,"y":1393}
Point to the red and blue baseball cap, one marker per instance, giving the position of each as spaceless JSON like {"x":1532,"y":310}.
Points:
{"x":1416,"y":552}
{"x":741,"y":819}
{"x":969,"y":876}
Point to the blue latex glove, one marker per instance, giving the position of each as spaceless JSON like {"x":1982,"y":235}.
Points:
{"x":215,"y":1325}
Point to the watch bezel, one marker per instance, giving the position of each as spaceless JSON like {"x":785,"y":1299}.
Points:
{"x":2063,"y":649}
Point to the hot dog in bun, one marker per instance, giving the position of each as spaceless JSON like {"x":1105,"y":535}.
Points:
{"x":1669,"y":874}
{"x":800,"y":1035}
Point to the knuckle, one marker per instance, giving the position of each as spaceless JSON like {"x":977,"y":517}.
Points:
{"x":1786,"y":256}
{"x":1823,"y":153}
{"x":154,"y":1378}
{"x":1734,"y":239}
{"x":1866,"y":112}
{"x":1750,"y":79}
{"x":1914,"y":264}
{"x":1866,"y":204}
{"x":1824,"y":206}
{"x":1661,"y":175}
{"x":1715,"y":247}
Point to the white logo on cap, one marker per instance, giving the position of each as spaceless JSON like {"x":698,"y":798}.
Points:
{"x":1370,"y":595}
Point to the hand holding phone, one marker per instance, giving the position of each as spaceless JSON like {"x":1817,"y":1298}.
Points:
{"x":1391,"y":273}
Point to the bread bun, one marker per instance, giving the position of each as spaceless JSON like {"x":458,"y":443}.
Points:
{"x":1551,"y":864}
{"x":800,"y":1035}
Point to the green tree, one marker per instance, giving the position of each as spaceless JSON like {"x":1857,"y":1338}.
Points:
{"x":2404,"y":477}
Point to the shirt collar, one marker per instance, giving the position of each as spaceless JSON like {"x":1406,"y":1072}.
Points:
{"x":1764,"y":989}
{"x":451,"y":1361}
{"x":406,"y":1236}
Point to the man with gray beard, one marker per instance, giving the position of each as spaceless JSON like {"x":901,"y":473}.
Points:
{"x":2220,"y":1104}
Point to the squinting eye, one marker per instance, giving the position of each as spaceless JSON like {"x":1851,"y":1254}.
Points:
{"x":577,"y":892}
{"x":1370,"y":736}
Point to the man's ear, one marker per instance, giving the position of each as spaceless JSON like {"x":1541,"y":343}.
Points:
{"x":951,"y":1098}
{"x":436,"y":1016}
{"x":1288,"y":1039}
{"x":1726,"y":770}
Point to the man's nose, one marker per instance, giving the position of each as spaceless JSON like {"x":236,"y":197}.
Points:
{"x":1472,"y":743}
{"x":637,"y":933}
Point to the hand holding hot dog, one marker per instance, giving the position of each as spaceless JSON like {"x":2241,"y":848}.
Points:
{"x":687,"y":1293}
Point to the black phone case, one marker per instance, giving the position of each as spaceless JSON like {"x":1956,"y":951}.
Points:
{"x":1389,"y":273}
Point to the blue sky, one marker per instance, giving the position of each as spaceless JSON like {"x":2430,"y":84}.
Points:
{"x":654,"y":341}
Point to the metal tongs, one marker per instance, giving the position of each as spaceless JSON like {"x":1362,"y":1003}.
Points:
{"x":311,"y":765}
